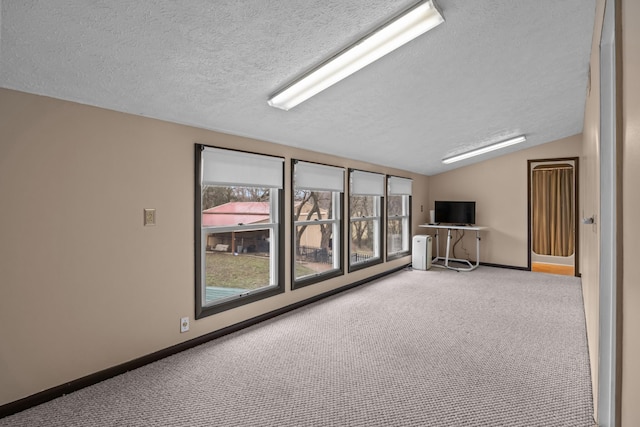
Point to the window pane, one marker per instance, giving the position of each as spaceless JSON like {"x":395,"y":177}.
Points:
{"x":396,"y":239}
{"x":225,"y":206}
{"x":310,"y":205}
{"x":314,"y":249}
{"x":395,"y":205}
{"x":237,"y":262}
{"x":364,"y":245}
{"x":360,"y":206}
{"x":397,"y":224}
{"x":364,"y":229}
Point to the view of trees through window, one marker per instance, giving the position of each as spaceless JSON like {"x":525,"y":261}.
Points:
{"x":397,"y":224}
{"x":315,"y":226}
{"x":364,"y":214}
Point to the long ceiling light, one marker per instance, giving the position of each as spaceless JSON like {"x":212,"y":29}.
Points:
{"x":485,"y":149}
{"x":401,"y":29}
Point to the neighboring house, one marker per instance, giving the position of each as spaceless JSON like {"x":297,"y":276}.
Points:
{"x":234,"y":213}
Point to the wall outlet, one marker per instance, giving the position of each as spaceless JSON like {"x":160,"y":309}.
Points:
{"x":184,"y":324}
{"x":149,"y":217}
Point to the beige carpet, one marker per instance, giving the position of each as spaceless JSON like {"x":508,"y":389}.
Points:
{"x":492,"y":347}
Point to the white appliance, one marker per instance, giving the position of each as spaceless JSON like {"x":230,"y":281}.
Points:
{"x":421,"y":252}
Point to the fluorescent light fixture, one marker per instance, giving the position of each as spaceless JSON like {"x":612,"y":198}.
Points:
{"x":401,"y":29}
{"x":484,"y":149}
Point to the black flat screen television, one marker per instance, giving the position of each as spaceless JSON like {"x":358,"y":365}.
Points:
{"x":462,"y":213}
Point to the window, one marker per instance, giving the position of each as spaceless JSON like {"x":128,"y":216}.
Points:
{"x":317,"y":204}
{"x":398,"y":216}
{"x":238,"y":228}
{"x":365,"y":211}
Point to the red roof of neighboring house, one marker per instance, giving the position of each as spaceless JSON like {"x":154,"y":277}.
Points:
{"x":234,"y":213}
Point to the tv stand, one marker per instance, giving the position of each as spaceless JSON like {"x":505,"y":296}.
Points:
{"x":446,"y":259}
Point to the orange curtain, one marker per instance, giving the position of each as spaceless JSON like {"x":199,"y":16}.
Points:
{"x":553,"y":210}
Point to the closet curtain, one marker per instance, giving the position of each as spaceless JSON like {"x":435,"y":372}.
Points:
{"x":553,"y":210}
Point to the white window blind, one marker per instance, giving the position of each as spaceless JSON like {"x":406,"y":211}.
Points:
{"x":367,"y":183}
{"x":399,"y":186}
{"x":315,"y":177}
{"x":228,"y":167}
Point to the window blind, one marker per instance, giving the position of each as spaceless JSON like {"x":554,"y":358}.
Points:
{"x":315,"y":177}
{"x":367,"y":183}
{"x":399,"y":186}
{"x":229,"y":167}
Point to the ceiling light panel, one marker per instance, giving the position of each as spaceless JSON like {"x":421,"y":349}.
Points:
{"x":411,"y":23}
{"x":485,"y":149}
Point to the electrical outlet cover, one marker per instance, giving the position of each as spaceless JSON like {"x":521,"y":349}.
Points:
{"x":149,"y":217}
{"x":184,"y":324}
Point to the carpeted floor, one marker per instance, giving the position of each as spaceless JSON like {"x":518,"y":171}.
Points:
{"x":493,"y":347}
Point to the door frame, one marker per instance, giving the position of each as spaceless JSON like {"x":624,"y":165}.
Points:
{"x":576,"y":195}
{"x":609,"y":363}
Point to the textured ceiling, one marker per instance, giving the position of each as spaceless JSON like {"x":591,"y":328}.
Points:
{"x":494,"y":69}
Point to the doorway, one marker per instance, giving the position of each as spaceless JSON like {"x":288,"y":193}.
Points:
{"x":552,"y":216}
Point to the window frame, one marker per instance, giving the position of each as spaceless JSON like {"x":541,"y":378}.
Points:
{"x":276,"y":258}
{"x":406,"y":217}
{"x":377,"y":217}
{"x":338,"y":226}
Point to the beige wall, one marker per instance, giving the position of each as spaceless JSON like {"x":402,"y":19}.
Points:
{"x":499,"y":187}
{"x":631,"y":207}
{"x":590,"y":202}
{"x":72,"y":176}
{"x":84,"y":285}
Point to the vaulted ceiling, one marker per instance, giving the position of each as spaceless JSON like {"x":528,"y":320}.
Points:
{"x":494,"y":69}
